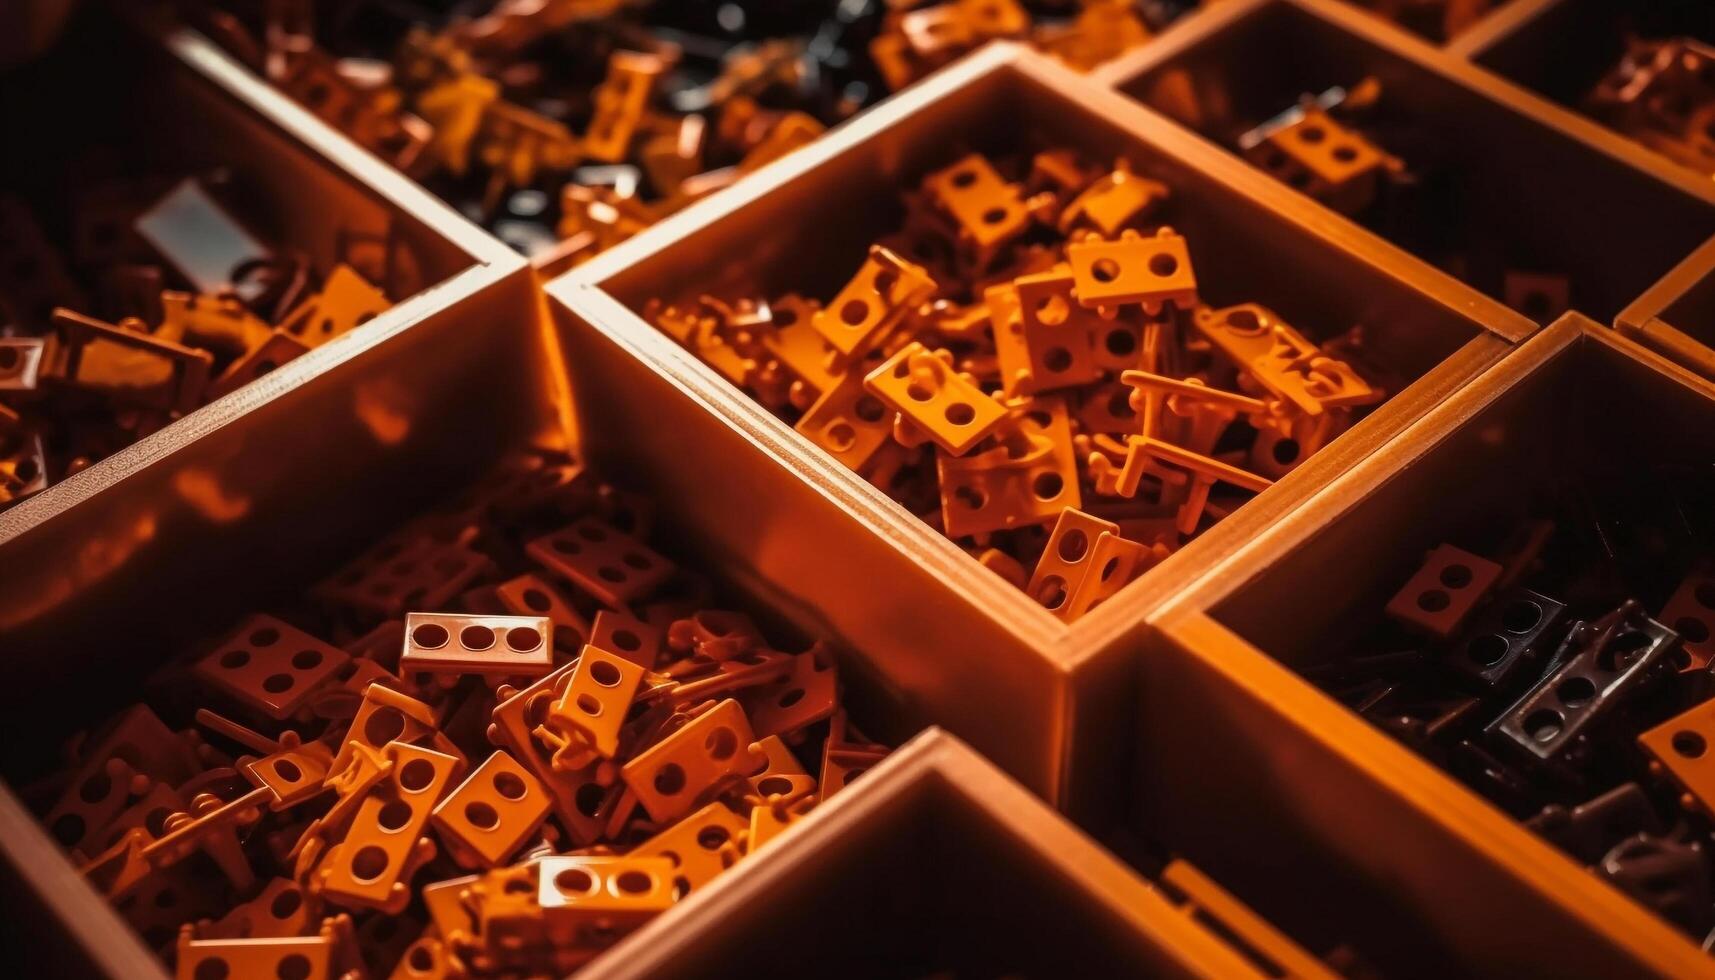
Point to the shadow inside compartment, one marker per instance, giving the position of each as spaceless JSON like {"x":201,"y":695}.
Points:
{"x":1614,"y":528}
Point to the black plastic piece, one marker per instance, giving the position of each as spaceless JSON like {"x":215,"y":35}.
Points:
{"x":1503,"y":639}
{"x":1617,"y":659}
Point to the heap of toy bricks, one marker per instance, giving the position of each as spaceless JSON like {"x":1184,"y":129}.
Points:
{"x":502,"y":739}
{"x":167,"y":302}
{"x":568,"y":126}
{"x":1542,"y":680}
{"x":1662,"y":94}
{"x":1029,"y":352}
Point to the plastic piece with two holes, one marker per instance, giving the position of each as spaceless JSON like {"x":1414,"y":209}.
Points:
{"x":492,"y":813}
{"x":1444,"y":591}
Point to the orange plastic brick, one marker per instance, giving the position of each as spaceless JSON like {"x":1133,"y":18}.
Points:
{"x":270,"y":666}
{"x":1444,"y":591}
{"x":700,"y":846}
{"x":1287,"y":364}
{"x":807,"y":695}
{"x":619,"y":104}
{"x":1325,"y":160}
{"x":496,"y":646}
{"x":1027,"y":479}
{"x":372,"y":864}
{"x":1690,"y":612}
{"x":1133,"y":269}
{"x":673,"y":776}
{"x":454,"y":109}
{"x":219,"y":322}
{"x":396,"y":578}
{"x":384,"y":715}
{"x":92,"y":354}
{"x":281,"y":910}
{"x":275,"y":348}
{"x":797,"y":345}
{"x":1679,"y":748}
{"x":849,"y":422}
{"x":1085,"y":562}
{"x":346,"y":301}
{"x":1042,"y":335}
{"x":303,"y":957}
{"x":593,"y":893}
{"x":924,"y":388}
{"x":989,"y":211}
{"x":492,"y":813}
{"x":626,"y":636}
{"x":1115,"y":202}
{"x":593,"y":707}
{"x":599,"y":559}
{"x":294,"y":774}
{"x":872,"y":303}
{"x":781,"y":775}
{"x":577,"y":796}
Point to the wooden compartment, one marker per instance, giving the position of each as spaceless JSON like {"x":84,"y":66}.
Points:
{"x":1515,"y":186}
{"x":1221,"y":688}
{"x":972,"y":641}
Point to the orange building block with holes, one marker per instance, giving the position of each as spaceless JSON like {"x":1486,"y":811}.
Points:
{"x":396,"y":577}
{"x":672,"y":777}
{"x":849,"y":422}
{"x":989,"y":211}
{"x":384,"y":715}
{"x":346,"y":301}
{"x":492,"y":813}
{"x":580,"y":892}
{"x":700,"y":846}
{"x":627,"y":636}
{"x":1450,"y":584}
{"x":320,"y":957}
{"x":1287,"y":363}
{"x":592,"y":710}
{"x":1028,"y":478}
{"x":780,"y":773}
{"x":1149,"y":271}
{"x":1085,"y":562}
{"x":495,"y":646}
{"x":619,"y":102}
{"x":371,"y":865}
{"x":1043,"y":339}
{"x":884,"y":290}
{"x":924,"y":389}
{"x":601,"y":560}
{"x":1679,"y":748}
{"x":1325,"y":160}
{"x":295,"y":773}
{"x":1690,"y":612}
{"x":807,"y":695}
{"x":270,"y":666}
